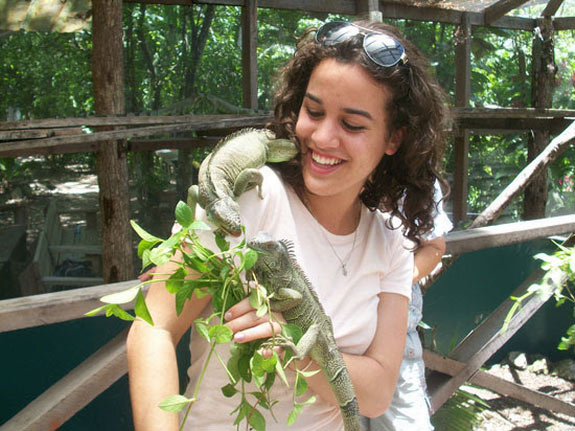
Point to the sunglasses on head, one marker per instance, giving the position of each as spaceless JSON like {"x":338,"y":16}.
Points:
{"x":381,"y":48}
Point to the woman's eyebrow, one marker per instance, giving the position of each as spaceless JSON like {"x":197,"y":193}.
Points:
{"x":352,"y":111}
{"x":358,"y":112}
{"x":313,"y":98}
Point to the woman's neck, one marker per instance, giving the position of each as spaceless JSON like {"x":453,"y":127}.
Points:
{"x":337,"y":215}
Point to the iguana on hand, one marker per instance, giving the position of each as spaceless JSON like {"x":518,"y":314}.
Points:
{"x":233,"y":168}
{"x":277,"y":270}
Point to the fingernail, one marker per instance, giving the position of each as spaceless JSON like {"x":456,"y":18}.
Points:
{"x":228,"y":316}
{"x":239,"y":337}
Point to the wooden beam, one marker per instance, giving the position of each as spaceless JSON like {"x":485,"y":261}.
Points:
{"x":450,"y":367}
{"x":564,"y":23}
{"x":395,"y":10}
{"x":498,"y":9}
{"x":369,"y":9}
{"x":551,"y":8}
{"x":462,"y":97}
{"x":75,"y":390}
{"x":200,"y":122}
{"x":249,"y":21}
{"x":326,"y":6}
{"x":464,"y":241}
{"x":49,"y":308}
{"x":31,"y":146}
{"x":487,"y":339}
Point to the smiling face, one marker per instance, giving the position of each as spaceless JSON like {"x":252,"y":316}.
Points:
{"x":343,"y":129}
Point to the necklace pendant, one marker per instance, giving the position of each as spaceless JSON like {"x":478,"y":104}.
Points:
{"x":344,"y":270}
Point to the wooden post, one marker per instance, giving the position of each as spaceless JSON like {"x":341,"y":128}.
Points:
{"x":249,"y":54}
{"x":543,"y":75}
{"x":462,"y":96}
{"x":369,"y":9}
{"x":112,"y":169}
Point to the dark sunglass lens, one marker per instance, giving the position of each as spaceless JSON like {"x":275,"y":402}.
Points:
{"x":335,"y":32}
{"x":383,"y":49}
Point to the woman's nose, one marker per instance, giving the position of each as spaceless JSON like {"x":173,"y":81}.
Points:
{"x":325,"y":135}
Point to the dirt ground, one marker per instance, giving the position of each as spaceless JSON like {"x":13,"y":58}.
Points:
{"x":508,"y":414}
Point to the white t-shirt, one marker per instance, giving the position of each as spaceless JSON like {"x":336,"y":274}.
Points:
{"x":378,"y":263}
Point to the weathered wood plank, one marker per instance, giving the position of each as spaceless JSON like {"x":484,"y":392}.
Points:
{"x":75,"y":390}
{"x":48,"y":308}
{"x":462,"y":97}
{"x":551,"y":8}
{"x":486,"y":339}
{"x":30,"y":146}
{"x":201,"y":122}
{"x":564,"y":23}
{"x":464,"y":241}
{"x":392,"y":9}
{"x":327,"y":6}
{"x":54,"y":280}
{"x":450,"y":367}
{"x":249,"y":20}
{"x":499,"y":9}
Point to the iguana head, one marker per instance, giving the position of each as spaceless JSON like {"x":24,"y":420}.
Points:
{"x":225,"y":214}
{"x":273,"y":257}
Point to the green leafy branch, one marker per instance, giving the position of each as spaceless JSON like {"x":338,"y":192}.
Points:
{"x":222,"y":274}
{"x":559,"y":281}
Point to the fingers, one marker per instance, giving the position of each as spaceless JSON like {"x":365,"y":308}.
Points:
{"x":247,"y":326}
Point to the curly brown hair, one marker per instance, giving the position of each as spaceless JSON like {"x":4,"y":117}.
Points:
{"x":402,"y":184}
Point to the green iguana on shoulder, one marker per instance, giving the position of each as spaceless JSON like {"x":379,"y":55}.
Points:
{"x":233,"y":168}
{"x":277,"y":270}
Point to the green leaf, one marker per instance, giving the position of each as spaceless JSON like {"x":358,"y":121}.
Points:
{"x":300,"y":385}
{"x":221,"y":242}
{"x":202,"y":329}
{"x":292,"y":331}
{"x":160,"y":255}
{"x":221,"y":334}
{"x":175,"y":281}
{"x":244,"y":368}
{"x":184,"y":214}
{"x":122,"y":297}
{"x":281,"y":372}
{"x":96,"y":311}
{"x":292,"y":417}
{"x":256,"y":365}
{"x":143,"y":234}
{"x":141,"y":309}
{"x":116,"y":310}
{"x":144,"y":245}
{"x":250,"y":258}
{"x":256,"y":420}
{"x":184,"y":294}
{"x":175,"y":403}
{"x":229,"y":390}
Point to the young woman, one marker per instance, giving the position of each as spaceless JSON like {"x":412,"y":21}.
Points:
{"x":358,"y":100}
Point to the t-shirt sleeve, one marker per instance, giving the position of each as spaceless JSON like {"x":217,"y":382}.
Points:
{"x":398,"y":276}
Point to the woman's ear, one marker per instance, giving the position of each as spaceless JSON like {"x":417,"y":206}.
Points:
{"x":395,"y":140}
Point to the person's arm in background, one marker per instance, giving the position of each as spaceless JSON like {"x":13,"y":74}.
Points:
{"x":427,"y":257}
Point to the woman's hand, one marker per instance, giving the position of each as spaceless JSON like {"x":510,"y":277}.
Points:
{"x":242,"y":320}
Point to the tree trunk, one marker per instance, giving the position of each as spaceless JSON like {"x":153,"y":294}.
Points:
{"x":111,"y":164}
{"x":544,"y":68}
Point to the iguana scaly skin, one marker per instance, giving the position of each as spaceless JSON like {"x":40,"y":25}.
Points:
{"x":233,"y":168}
{"x":277,"y":270}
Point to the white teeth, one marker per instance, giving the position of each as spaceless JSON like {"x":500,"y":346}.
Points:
{"x":325,"y":160}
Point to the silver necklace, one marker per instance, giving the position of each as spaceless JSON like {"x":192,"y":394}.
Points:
{"x":343,"y":262}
